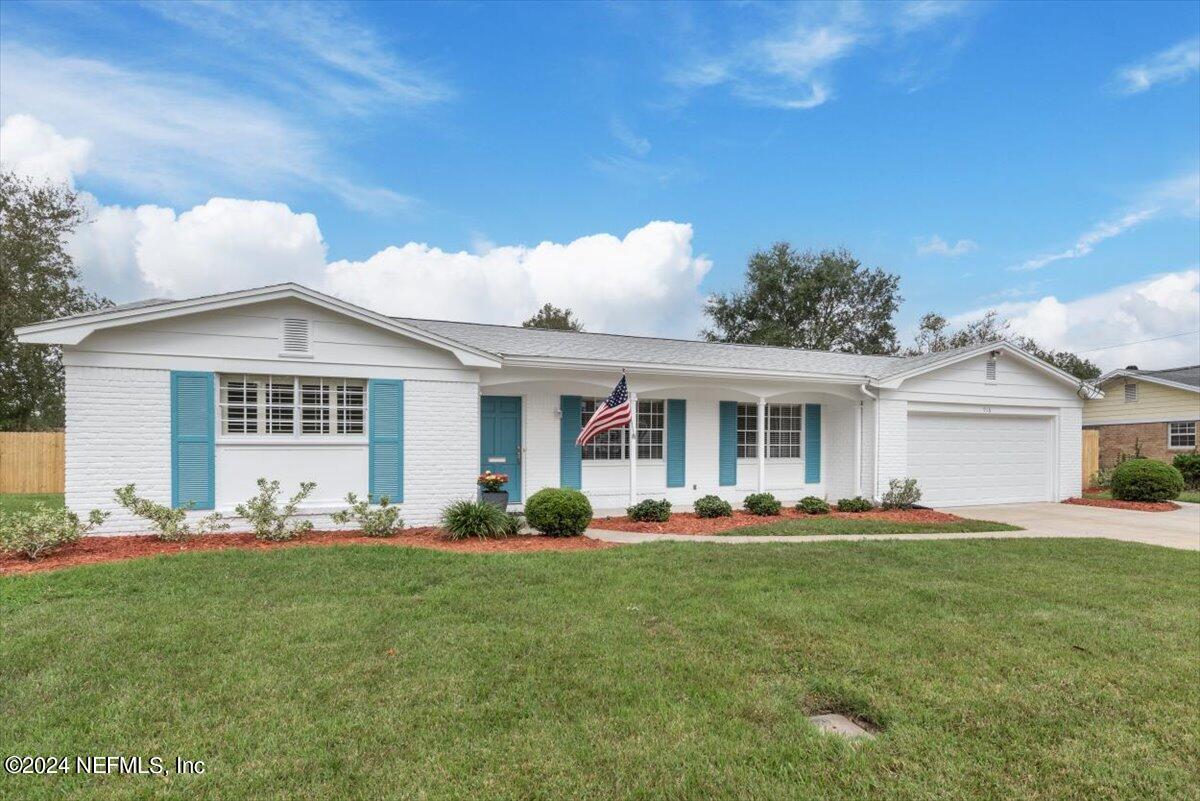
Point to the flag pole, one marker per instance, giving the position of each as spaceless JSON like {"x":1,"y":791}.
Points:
{"x":633,"y":449}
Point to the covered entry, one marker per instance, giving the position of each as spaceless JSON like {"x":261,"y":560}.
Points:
{"x":500,"y":440}
{"x":971,"y":459}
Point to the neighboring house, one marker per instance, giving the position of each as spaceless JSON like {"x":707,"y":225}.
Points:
{"x":1153,"y":412}
{"x":193,"y":400}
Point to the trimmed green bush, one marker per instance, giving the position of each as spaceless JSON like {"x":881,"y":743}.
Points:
{"x":902,"y":494}
{"x":812,"y":505}
{"x":712,"y":506}
{"x":649,"y":511}
{"x":270,"y":521}
{"x":855,"y":505}
{"x":43,"y":529}
{"x":1146,"y":480}
{"x":762,"y":503}
{"x":171,"y":522}
{"x":463,"y":519}
{"x":558,"y":512}
{"x":1188,"y":465}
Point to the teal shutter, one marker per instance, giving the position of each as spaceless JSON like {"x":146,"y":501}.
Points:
{"x":676,"y":442}
{"x":385,"y":438}
{"x":727,"y":439}
{"x":812,"y":443}
{"x":193,"y":440}
{"x":570,"y":455}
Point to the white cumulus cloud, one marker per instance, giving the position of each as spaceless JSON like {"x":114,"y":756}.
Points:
{"x":1159,"y":307}
{"x":32,"y":148}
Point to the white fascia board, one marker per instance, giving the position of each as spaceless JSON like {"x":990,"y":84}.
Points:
{"x":680,"y":370}
{"x":72,"y":331}
{"x":894,"y":381}
{"x":1148,"y":379}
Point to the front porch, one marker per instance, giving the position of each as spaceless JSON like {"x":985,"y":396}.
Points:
{"x":723,"y":436}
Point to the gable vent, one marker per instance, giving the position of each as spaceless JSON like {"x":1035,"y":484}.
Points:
{"x":1131,"y":393}
{"x":296,"y":334}
{"x":990,"y":373}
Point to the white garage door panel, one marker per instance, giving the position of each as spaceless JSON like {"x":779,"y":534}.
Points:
{"x":976,"y":459}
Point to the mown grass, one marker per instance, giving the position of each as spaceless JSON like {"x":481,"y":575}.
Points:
{"x":18,"y":502}
{"x":822,"y":524}
{"x":1031,"y":669}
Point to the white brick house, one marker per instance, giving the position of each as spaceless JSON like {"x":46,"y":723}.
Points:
{"x":193,"y":400}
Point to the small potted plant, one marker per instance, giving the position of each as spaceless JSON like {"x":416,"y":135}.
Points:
{"x":489,"y":488}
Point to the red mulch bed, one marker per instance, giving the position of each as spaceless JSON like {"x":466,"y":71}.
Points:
{"x":689,"y":523}
{"x":111,"y":549}
{"x":1137,"y":506}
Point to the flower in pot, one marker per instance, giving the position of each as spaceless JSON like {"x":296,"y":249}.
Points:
{"x":489,"y":488}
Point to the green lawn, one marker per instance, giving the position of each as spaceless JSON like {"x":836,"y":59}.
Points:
{"x":1031,"y":669}
{"x":820,"y":524}
{"x":12,"y":502}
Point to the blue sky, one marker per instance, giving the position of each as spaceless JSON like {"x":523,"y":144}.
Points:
{"x":991,"y":154}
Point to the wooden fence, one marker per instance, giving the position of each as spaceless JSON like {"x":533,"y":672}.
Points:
{"x":31,"y":461}
{"x":1091,"y":454}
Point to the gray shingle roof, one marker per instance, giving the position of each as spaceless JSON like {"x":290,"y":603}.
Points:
{"x":1180,"y":375}
{"x":514,"y":341}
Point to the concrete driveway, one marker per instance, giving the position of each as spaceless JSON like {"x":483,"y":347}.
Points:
{"x":1178,"y":529}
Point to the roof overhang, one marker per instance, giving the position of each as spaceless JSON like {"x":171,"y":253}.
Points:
{"x":1138,"y":376}
{"x":691,"y":371}
{"x":73,"y":330}
{"x":1082,"y":388}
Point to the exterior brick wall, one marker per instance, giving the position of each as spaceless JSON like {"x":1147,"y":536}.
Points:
{"x":118,"y":431}
{"x":1070,"y":449}
{"x":893,"y":442}
{"x":1125,"y":438}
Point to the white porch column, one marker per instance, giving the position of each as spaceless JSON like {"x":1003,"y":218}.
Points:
{"x":633,"y":449}
{"x":762,"y":444}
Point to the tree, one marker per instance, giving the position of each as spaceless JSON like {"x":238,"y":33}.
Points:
{"x":802,"y":299}
{"x":38,"y":281}
{"x":933,"y":337}
{"x":550,"y":316}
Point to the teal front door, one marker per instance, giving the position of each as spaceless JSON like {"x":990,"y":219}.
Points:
{"x":500,"y":440}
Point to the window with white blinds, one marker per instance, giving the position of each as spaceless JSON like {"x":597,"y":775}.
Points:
{"x":292,"y":406}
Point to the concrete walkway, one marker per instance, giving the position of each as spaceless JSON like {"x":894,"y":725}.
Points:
{"x":1180,"y":529}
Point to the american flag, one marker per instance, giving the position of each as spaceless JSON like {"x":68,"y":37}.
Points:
{"x":615,"y":413}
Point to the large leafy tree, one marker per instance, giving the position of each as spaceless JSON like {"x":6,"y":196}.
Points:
{"x":550,"y":316}
{"x":934,"y":335}
{"x":822,"y":300}
{"x":38,"y":281}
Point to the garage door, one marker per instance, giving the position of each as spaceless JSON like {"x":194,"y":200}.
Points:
{"x":974,"y":459}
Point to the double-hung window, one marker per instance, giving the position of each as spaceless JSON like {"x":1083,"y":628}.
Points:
{"x":1181,"y":435}
{"x":614,"y":443}
{"x":785,"y":430}
{"x":291,"y":406}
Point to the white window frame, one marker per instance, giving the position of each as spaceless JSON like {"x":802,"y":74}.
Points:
{"x":1172,"y":434}
{"x":747,"y":431}
{"x":614,"y":443}
{"x":1131,"y":392}
{"x":288,"y":390}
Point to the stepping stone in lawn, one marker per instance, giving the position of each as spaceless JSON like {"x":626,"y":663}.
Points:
{"x":841,"y":726}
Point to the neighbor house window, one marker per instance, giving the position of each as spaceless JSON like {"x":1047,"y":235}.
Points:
{"x":1181,"y":435}
{"x":292,"y":405}
{"x":1131,"y":393}
{"x":613,"y":444}
{"x":785,"y":430}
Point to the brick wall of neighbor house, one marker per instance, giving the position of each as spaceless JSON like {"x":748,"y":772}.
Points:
{"x":1118,"y":439}
{"x":118,"y":432}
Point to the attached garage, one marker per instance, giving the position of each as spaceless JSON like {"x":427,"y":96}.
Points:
{"x":969,"y":459}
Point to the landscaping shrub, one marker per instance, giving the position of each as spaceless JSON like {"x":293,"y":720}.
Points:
{"x":270,"y":522}
{"x":558,"y":512}
{"x":854,"y":505}
{"x":902,"y":494}
{"x":513,"y":523}
{"x":712,"y":506}
{"x":1188,"y":465}
{"x":463,"y":519}
{"x":762,"y":503}
{"x":379,"y":521}
{"x":42,"y":529}
{"x":1102,"y":478}
{"x":812,"y":505}
{"x":171,"y":524}
{"x":649,"y":511}
{"x":1146,"y":480}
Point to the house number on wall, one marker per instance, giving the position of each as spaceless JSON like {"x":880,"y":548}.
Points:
{"x":987,"y":409}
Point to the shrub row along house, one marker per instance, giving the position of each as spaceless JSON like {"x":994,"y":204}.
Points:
{"x":193,"y":400}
